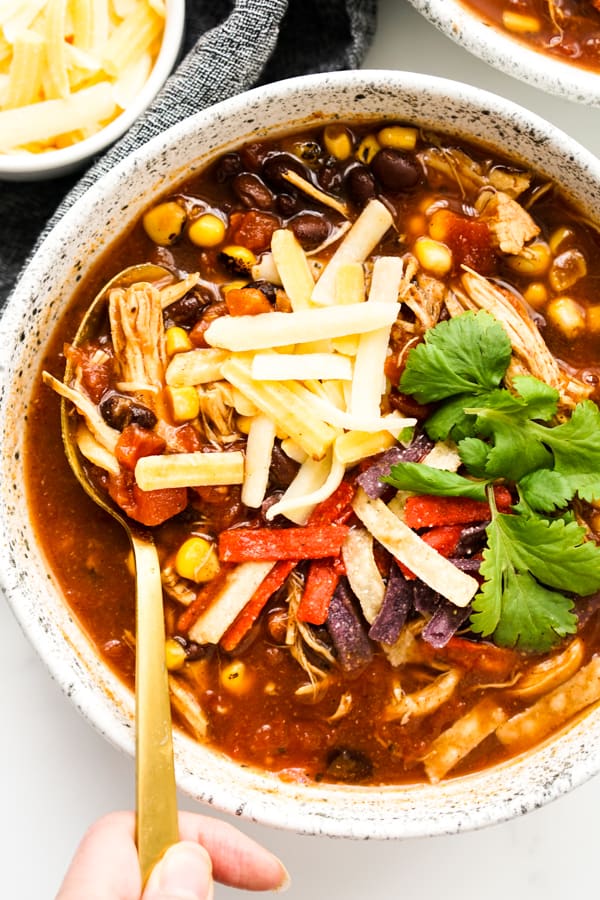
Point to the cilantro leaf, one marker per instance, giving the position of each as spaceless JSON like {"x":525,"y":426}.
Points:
{"x":465,"y":355}
{"x":517,"y":443}
{"x":423,"y":479}
{"x":554,"y":551}
{"x":474,"y":454}
{"x":575,"y":446}
{"x":528,"y":563}
{"x":545,"y":490}
{"x":531,"y":617}
{"x":450,"y":419}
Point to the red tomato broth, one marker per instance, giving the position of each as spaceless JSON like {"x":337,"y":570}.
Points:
{"x":567,"y":30}
{"x":267,"y":725}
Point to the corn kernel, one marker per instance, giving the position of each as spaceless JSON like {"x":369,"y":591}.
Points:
{"x":567,"y":269}
{"x":592,"y":315}
{"x":439,"y":224}
{"x":164,"y":223}
{"x":338,"y":141}
{"x":434,"y":256}
{"x":238,"y":258}
{"x":398,"y":137}
{"x":207,"y":230}
{"x":416,"y":224}
{"x":368,"y":148}
{"x":536,"y":294}
{"x":197,"y":560}
{"x":177,"y":340}
{"x":520,"y":23}
{"x":236,"y":678}
{"x":558,"y":237}
{"x":567,"y":315}
{"x":534,"y":261}
{"x":183,"y":402}
{"x":175,"y":655}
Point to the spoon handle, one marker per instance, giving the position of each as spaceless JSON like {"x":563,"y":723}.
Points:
{"x":156,"y":797}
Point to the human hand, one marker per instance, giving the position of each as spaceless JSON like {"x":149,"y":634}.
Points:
{"x":106,"y":867}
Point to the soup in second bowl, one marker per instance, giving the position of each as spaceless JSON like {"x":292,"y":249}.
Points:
{"x":566,"y":29}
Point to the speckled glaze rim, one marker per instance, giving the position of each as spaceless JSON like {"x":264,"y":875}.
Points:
{"x":33,"y":167}
{"x":37,"y":303}
{"x":509,"y":55}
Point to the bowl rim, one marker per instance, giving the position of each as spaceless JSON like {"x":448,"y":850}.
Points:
{"x":509,"y":55}
{"x":493,"y":796}
{"x":51,"y":162}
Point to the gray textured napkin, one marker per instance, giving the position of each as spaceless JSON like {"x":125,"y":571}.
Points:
{"x":228,"y":48}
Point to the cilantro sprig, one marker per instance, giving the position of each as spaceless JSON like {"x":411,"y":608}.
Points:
{"x":537,"y":558}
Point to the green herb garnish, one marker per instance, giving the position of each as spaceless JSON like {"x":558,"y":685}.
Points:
{"x":537,"y":558}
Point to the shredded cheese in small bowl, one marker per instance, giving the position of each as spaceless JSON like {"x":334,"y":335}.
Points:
{"x":75,"y":75}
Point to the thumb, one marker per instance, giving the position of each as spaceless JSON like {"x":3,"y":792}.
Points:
{"x":184,"y":873}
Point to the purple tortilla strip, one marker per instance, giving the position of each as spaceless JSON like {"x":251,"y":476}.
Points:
{"x":397,"y":604}
{"x":347,"y":631}
{"x":370,"y":479}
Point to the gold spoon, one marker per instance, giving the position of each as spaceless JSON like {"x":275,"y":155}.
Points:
{"x":156,"y":800}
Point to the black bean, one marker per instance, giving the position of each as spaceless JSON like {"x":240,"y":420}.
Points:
{"x":276,"y":164}
{"x":186,"y":311}
{"x":329,"y":175}
{"x":311,"y":229}
{"x":228,"y":166}
{"x":283,"y":469}
{"x":309,"y":150}
{"x":252,"y":191}
{"x":349,"y":765}
{"x":360,"y":184}
{"x":395,"y":171}
{"x":288,"y":203}
{"x":118,"y":411}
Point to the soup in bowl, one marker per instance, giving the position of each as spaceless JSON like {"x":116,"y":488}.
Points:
{"x":552,"y":46}
{"x":355,"y":403}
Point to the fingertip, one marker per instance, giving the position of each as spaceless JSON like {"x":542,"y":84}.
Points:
{"x":184,"y":873}
{"x":286,"y":879}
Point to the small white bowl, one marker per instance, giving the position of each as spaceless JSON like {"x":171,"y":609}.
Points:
{"x":54,"y":163}
{"x":90,"y":226}
{"x":510,"y":55}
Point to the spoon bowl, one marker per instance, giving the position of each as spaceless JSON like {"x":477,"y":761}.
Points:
{"x":156,"y":801}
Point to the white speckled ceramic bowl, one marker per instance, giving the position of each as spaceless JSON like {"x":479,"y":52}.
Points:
{"x":37,"y":304}
{"x":54,"y":163}
{"x":510,"y":55}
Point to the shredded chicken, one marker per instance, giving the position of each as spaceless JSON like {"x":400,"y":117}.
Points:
{"x":176,"y":586}
{"x":137,"y":330}
{"x":172,"y":292}
{"x":510,"y":225}
{"x":217,"y":413}
{"x":186,"y":703}
{"x":510,"y":181}
{"x":424,"y":701}
{"x":531,"y":354}
{"x":300,"y":638}
{"x":425,"y":298}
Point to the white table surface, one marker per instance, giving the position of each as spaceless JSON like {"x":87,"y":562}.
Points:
{"x":58,"y":774}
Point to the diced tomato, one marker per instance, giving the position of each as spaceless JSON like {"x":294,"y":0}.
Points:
{"x":96,"y":367}
{"x":135,"y":442}
{"x":469,"y":239}
{"x":255,"y":229}
{"x":147,"y":507}
{"x":246,"y":301}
